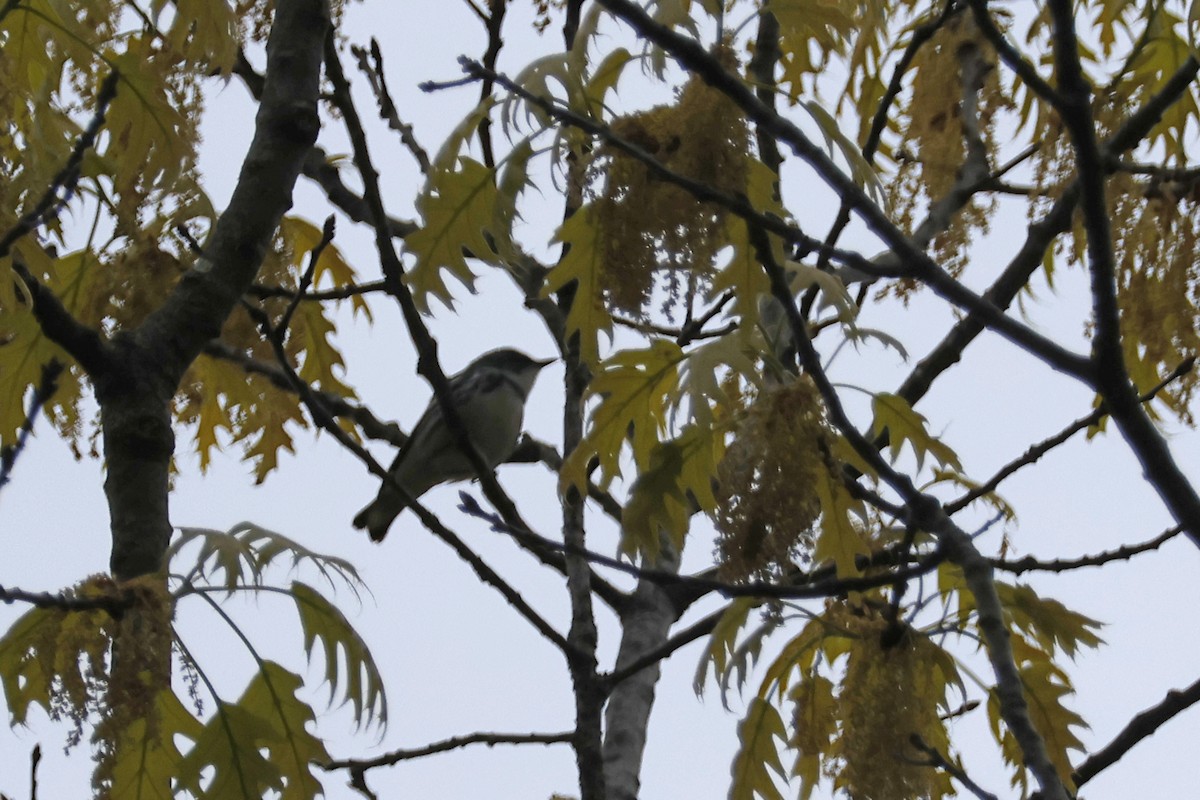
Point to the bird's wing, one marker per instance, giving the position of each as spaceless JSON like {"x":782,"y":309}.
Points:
{"x":431,"y":430}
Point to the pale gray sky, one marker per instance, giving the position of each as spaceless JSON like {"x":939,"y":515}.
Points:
{"x":455,"y":658}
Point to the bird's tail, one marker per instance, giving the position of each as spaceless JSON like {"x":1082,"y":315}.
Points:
{"x":377,"y":517}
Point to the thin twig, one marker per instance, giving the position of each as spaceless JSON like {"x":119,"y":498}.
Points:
{"x":1139,"y":728}
{"x":1123,"y":553}
{"x":322,"y":417}
{"x":51,"y":201}
{"x":361,"y":765}
{"x":1036,"y":451}
{"x":920,"y":35}
{"x":701,"y":627}
{"x":336,"y":293}
{"x":828,"y":587}
{"x":67,"y":601}
{"x":35,"y":758}
{"x":306,"y":279}
{"x":47,"y":386}
{"x":938,"y":761}
{"x":371,"y":65}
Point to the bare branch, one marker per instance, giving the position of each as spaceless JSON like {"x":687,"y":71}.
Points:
{"x":925,"y":513}
{"x":47,"y":386}
{"x":336,"y":293}
{"x":361,"y":765}
{"x":797,"y":586}
{"x":371,"y":66}
{"x":1036,"y":451}
{"x":679,"y":640}
{"x":83,"y":343}
{"x":938,"y":761}
{"x":1012,"y":57}
{"x":1140,"y":727}
{"x":393,"y":270}
{"x":1123,"y":553}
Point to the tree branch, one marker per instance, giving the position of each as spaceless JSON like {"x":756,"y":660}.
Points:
{"x":1123,"y":553}
{"x":371,"y":65}
{"x":485,"y":573}
{"x":693,"y":57}
{"x":47,"y":386}
{"x":1036,"y":451}
{"x":925,"y":513}
{"x":1139,"y":728}
{"x":361,"y":765}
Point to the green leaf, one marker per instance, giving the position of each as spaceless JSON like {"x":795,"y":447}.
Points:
{"x":146,"y":758}
{"x":360,"y":683}
{"x":1049,"y":622}
{"x":840,"y":540}
{"x":238,"y":557}
{"x":894,"y":415}
{"x":25,"y":676}
{"x":816,"y":721}
{"x":722,"y":640}
{"x":457,"y":209}
{"x":761,"y":734}
{"x":514,"y":179}
{"x":743,"y":273}
{"x":660,"y":500}
{"x":706,"y":365}
{"x":581,"y":267}
{"x":1045,"y":686}
{"x":257,"y":745}
{"x":634,"y":386}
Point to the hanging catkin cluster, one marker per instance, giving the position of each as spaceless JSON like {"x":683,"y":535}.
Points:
{"x":767,"y":500}
{"x":888,"y":695}
{"x":654,"y":228}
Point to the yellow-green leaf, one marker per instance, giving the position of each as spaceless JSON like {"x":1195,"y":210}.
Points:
{"x":146,"y":757}
{"x":633,"y":386}
{"x":760,"y":735}
{"x":839,"y":540}
{"x":580,"y":267}
{"x":457,"y":210}
{"x":894,"y":415}
{"x":660,"y":501}
{"x":360,"y":683}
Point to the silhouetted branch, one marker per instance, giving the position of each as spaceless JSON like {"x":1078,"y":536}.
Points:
{"x":828,"y":587}
{"x":925,"y":513}
{"x":336,"y":293}
{"x":938,"y":761}
{"x":47,"y":386}
{"x":371,"y":426}
{"x":83,"y":343}
{"x":371,"y":66}
{"x":1123,"y":553}
{"x":1036,"y":451}
{"x":678,"y":640}
{"x":1139,"y":728}
{"x":454,"y":743}
{"x":62,"y":186}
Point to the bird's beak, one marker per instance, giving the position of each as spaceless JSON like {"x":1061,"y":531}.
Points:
{"x":547,"y":362}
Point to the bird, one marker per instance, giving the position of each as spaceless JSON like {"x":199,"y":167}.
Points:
{"x":490,"y":395}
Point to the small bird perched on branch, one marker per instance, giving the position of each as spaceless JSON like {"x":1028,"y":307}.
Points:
{"x":490,"y":396}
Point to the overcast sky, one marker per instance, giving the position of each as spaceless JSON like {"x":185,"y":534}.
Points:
{"x":455,"y":657}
